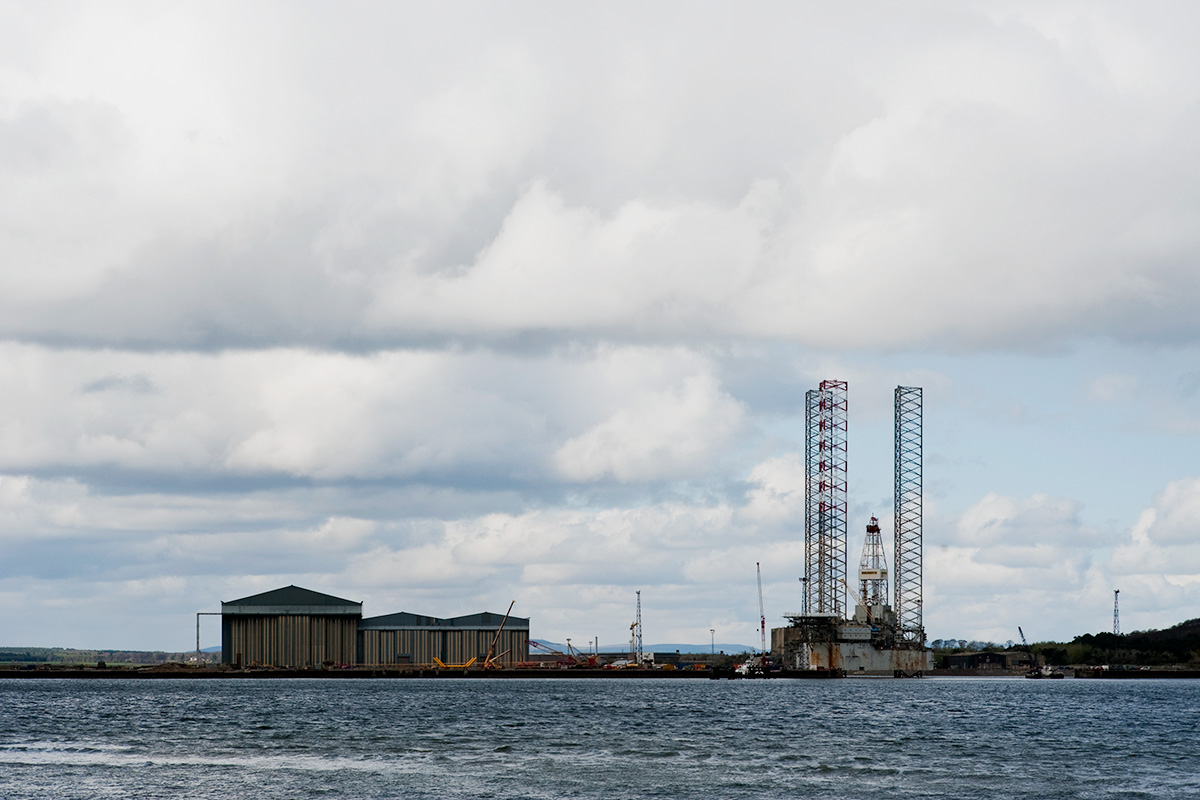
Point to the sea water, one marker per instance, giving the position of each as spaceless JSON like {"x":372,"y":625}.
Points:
{"x":580,"y":738}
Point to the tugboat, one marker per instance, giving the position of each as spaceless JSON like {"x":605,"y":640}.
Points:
{"x":1044,"y":672}
{"x":1036,"y":671}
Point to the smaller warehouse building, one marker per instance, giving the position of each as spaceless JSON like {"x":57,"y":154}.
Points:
{"x":398,"y":639}
{"x":977,"y":661}
{"x":297,"y":627}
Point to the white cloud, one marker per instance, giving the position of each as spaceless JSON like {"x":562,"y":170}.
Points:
{"x":517,"y":300}
{"x":1007,"y":182}
{"x":1034,"y":562}
{"x":997,"y":521}
{"x":557,"y":562}
{"x":656,"y":434}
{"x":1163,"y":542}
{"x":1012,"y":561}
{"x":648,"y":267}
{"x":1113,"y":389}
{"x":777,"y":496}
{"x":634,"y":413}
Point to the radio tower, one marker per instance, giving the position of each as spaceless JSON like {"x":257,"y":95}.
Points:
{"x":826,"y":423}
{"x":908,"y":546}
{"x":1116,"y":614}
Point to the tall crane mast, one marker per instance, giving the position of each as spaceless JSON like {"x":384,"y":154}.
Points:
{"x":488,"y":662}
{"x":762,"y":614}
{"x":637,"y":640}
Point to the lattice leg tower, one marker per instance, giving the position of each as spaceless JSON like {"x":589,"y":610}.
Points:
{"x":825,"y":528}
{"x":812,"y":524}
{"x":907,"y":577}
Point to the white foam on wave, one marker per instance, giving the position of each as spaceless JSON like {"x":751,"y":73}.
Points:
{"x":96,"y":754}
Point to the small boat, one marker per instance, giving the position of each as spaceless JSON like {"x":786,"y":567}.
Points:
{"x":1044,"y":672}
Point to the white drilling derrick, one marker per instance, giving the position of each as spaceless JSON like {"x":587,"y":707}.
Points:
{"x":872,"y":569}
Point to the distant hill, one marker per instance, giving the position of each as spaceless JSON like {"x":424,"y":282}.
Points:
{"x":1184,"y":631}
{"x":67,"y":655}
{"x":656,"y":648}
{"x":1177,"y":645}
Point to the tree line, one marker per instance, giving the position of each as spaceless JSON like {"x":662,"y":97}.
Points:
{"x":1177,"y":645}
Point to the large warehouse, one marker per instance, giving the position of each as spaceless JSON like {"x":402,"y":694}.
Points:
{"x":296,"y":627}
{"x":291,"y":627}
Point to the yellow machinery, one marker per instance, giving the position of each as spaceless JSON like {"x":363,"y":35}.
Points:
{"x":455,"y":666}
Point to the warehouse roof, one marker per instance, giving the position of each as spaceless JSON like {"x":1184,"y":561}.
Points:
{"x":406,"y":621}
{"x":292,"y":600}
{"x":487,"y":619}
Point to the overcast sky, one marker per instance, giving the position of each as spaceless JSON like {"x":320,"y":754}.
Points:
{"x":438,"y":306}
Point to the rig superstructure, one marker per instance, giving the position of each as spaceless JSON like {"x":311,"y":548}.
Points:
{"x":879,"y":638}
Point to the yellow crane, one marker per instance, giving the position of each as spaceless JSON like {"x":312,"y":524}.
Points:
{"x":488,"y":661}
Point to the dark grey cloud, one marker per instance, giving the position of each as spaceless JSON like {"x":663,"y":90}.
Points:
{"x":138,"y":384}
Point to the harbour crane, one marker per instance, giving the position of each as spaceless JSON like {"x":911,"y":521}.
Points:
{"x":563,"y":658}
{"x":1028,"y":649}
{"x":580,"y":658}
{"x":488,"y":661}
{"x":572,"y":658}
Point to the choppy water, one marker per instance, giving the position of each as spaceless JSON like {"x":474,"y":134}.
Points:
{"x":854,"y":738}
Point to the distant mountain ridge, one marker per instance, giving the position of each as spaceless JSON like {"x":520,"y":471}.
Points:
{"x":610,"y":649}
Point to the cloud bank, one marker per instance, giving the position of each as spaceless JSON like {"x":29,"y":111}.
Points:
{"x":414,"y":305}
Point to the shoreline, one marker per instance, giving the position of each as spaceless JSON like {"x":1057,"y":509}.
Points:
{"x":434,"y":673}
{"x":193,"y":673}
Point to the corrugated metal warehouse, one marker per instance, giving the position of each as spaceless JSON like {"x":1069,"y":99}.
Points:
{"x":296,"y":627}
{"x":413,"y":639}
{"x":289,"y":627}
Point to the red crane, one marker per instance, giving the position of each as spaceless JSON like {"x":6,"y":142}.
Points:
{"x":572,"y":659}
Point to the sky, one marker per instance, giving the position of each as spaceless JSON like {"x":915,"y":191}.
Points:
{"x":442,"y":306}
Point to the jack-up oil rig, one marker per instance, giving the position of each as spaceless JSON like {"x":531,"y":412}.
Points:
{"x":878,"y":638}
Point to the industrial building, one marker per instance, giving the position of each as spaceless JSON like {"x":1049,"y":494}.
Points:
{"x":289,"y":627}
{"x":879,"y":637}
{"x":987,"y":661}
{"x":399,"y":639}
{"x":297,"y":627}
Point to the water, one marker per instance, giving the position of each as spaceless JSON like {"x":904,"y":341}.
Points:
{"x":857,"y":738}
